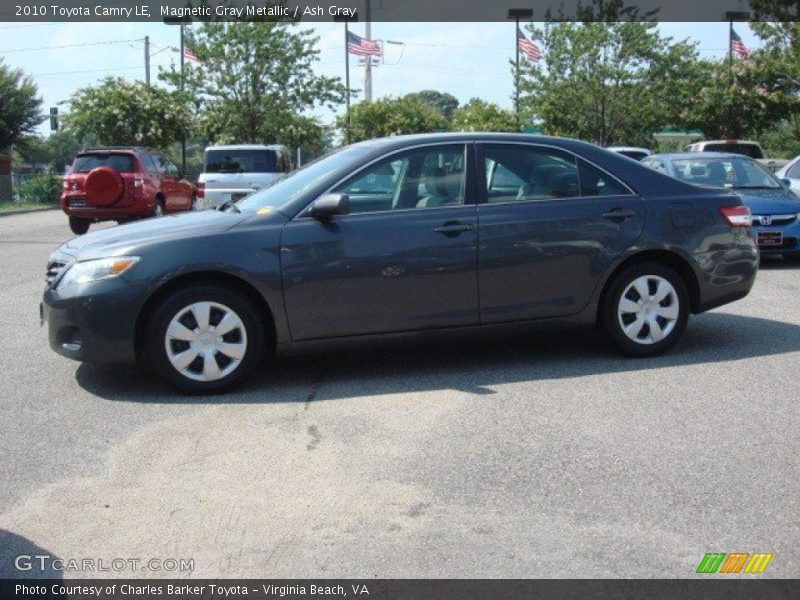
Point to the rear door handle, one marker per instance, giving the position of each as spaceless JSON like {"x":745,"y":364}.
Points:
{"x":453,"y":229}
{"x":618,"y":213}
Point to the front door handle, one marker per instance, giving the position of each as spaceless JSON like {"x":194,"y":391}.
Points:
{"x":619,"y":214}
{"x":453,"y":228}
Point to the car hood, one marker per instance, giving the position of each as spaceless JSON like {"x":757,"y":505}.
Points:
{"x":770,"y":202}
{"x":116,"y":241}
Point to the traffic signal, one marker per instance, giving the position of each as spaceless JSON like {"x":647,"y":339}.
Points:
{"x":54,"y":118}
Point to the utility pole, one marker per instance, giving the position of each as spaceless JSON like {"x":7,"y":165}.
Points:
{"x":147,"y":60}
{"x":368,"y":59}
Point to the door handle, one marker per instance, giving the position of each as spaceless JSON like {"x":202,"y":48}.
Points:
{"x":619,"y":214}
{"x":453,"y":229}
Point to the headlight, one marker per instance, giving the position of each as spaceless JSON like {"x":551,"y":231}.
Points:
{"x":94,"y":270}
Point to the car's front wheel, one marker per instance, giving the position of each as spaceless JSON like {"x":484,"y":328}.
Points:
{"x":646,"y":309}
{"x":78,"y":225}
{"x":205,"y":338}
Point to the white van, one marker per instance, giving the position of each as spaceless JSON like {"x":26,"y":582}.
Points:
{"x":233,"y":172}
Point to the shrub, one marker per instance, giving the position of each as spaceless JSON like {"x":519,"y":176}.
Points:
{"x":39,"y":189}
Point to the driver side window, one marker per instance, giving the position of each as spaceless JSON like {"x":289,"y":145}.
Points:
{"x":421,"y":178}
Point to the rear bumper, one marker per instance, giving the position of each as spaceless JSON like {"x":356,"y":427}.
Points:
{"x":142,"y":207}
{"x":96,"y":323}
{"x":728,"y":272}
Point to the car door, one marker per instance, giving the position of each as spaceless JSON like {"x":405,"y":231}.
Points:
{"x":544,"y":248}
{"x":404,"y":259}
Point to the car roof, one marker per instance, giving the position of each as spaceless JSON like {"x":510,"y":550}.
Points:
{"x":246,"y":147}
{"x":628,"y":149}
{"x":729,"y":141}
{"x":689,"y":155}
{"x":113,"y":149}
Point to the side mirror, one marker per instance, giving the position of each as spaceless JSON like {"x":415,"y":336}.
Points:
{"x":327,"y":206}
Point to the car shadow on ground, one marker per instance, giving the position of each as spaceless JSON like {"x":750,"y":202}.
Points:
{"x":20,"y":558}
{"x":474,"y":365}
{"x":778,"y":263}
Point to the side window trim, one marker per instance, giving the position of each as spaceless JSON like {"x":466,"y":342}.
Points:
{"x":469,"y":190}
{"x":480,"y":171}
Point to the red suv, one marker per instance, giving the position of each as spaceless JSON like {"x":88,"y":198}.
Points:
{"x":121,"y":184}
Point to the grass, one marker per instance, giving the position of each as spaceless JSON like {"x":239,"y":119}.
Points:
{"x":10,"y":206}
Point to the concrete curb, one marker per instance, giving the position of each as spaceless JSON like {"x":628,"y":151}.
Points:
{"x":24,"y":211}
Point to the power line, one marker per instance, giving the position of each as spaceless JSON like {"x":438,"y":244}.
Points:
{"x":105,"y":43}
{"x":93,"y":71}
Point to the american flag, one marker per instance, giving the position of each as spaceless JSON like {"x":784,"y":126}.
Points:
{"x":527,"y":47}
{"x":188,"y":54}
{"x":358,"y":45}
{"x":737,"y":45}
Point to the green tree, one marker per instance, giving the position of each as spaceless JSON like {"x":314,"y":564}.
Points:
{"x":442,"y":101}
{"x":392,"y":116}
{"x":253,"y":80}
{"x":57,"y":151}
{"x":606,"y":82}
{"x":20,"y":107}
{"x":478,"y":115}
{"x":118,"y":112}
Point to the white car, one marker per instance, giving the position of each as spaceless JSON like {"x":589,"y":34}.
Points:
{"x":791,"y":171}
{"x":232,"y":172}
{"x":744,"y":147}
{"x":630,"y":151}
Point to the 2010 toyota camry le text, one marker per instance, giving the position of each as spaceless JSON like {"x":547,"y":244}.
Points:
{"x":396,"y":236}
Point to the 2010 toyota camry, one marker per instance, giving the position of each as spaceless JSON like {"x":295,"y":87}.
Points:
{"x":394,"y":236}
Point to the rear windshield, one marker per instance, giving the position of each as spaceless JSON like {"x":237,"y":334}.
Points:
{"x":634,"y":154}
{"x":241,"y":161}
{"x":751,"y":150}
{"x":119,"y":162}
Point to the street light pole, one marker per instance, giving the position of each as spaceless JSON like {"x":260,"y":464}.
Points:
{"x":368,"y":61}
{"x":183,"y":137}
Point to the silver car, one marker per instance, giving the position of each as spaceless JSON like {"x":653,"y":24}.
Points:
{"x":233,"y":172}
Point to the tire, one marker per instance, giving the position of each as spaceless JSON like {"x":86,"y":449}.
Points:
{"x":78,"y":225}
{"x":174,"y":334}
{"x":792,"y":257}
{"x":193,"y":203}
{"x":158,"y":208}
{"x":661,"y":323}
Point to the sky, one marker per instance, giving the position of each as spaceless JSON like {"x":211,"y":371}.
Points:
{"x":464,"y":59}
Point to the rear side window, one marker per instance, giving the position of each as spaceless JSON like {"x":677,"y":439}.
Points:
{"x":751,"y":150}
{"x":596,"y":183}
{"x":241,"y":161}
{"x":122,"y":163}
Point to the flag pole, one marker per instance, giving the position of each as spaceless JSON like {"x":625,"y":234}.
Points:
{"x":347,"y":81}
{"x":517,"y":14}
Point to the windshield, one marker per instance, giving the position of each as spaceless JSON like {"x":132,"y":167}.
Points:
{"x":293,"y":185}
{"x":751,"y":150}
{"x":241,"y":161}
{"x":733,"y":172}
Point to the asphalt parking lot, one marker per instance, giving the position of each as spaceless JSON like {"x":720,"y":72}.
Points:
{"x":534,"y":456}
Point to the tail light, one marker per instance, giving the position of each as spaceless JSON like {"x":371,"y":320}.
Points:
{"x":138,"y":182}
{"x":737,"y":216}
{"x":200,"y":192}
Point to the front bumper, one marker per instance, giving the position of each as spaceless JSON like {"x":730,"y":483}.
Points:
{"x":790,"y":234}
{"x":94,"y":322}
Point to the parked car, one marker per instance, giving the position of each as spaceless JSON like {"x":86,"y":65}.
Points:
{"x":791,"y":172}
{"x":630,"y":151}
{"x":568,"y":233}
{"x":232,"y":172}
{"x":775,"y":208}
{"x":121,"y":184}
{"x":743,"y":147}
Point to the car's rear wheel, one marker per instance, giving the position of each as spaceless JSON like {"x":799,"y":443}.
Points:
{"x":79,"y":225}
{"x":205,"y":338}
{"x":158,"y":208}
{"x":646,"y":309}
{"x":193,"y":203}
